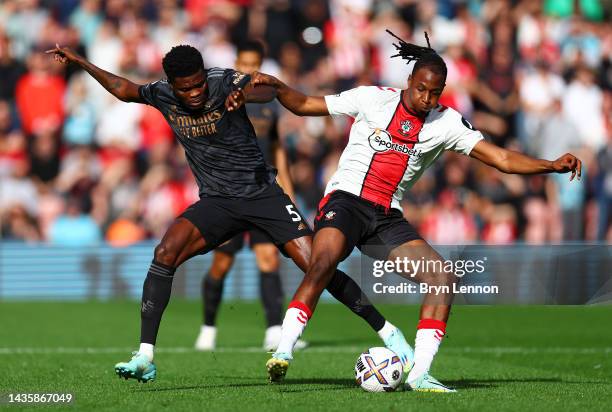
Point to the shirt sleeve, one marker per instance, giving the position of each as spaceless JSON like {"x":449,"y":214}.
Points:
{"x":461,"y":136}
{"x":233,"y":80}
{"x":346,"y":103}
{"x":149,"y":93}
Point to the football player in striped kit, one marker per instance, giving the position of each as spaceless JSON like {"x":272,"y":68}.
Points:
{"x":395,"y":136}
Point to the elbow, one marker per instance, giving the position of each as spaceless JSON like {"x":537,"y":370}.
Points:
{"x":299,"y":111}
{"x":503,"y":164}
{"x":504,"y":167}
{"x":306,"y":107}
{"x":121,"y":95}
{"x":125,"y":98}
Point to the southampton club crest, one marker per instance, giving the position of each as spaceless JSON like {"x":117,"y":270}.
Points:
{"x":406,"y":127}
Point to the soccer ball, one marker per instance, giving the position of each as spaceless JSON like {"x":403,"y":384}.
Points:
{"x":378,"y":370}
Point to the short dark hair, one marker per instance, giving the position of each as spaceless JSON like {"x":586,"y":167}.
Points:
{"x":182,"y":61}
{"x":252,"y":46}
{"x":423,"y":56}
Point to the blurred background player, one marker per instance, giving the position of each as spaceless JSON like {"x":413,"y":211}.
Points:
{"x":264,"y":118}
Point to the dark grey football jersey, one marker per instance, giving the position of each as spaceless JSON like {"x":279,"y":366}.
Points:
{"x":221,"y":146}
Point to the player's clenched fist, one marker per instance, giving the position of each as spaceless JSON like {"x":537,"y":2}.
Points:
{"x":568,"y":163}
{"x":262,"y":78}
{"x":63,"y":54}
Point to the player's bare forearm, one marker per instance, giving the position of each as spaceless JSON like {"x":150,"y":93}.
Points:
{"x":301,"y":104}
{"x":293,"y":100}
{"x":510,"y":161}
{"x":119,"y":87}
{"x":250,"y":94}
{"x":518,"y":163}
{"x":116,"y":85}
{"x":259,"y":94}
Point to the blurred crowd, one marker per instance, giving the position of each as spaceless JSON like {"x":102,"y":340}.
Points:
{"x":78,"y":167}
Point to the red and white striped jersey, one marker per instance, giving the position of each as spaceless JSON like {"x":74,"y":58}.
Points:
{"x":389,"y":148}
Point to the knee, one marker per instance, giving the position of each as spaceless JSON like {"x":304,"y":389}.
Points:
{"x":222,"y":263}
{"x":166,"y":254}
{"x":217,"y":273}
{"x":267,"y":260}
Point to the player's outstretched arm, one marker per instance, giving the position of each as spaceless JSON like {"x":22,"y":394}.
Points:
{"x":510,"y":161}
{"x":250,"y":94}
{"x":121,"y":88}
{"x":296,"y":102}
{"x":259,"y":94}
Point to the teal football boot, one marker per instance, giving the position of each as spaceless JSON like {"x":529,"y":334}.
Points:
{"x":139,"y":368}
{"x":427,"y":383}
{"x":397,"y":343}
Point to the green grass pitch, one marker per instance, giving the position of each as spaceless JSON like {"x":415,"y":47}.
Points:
{"x":500,"y":358}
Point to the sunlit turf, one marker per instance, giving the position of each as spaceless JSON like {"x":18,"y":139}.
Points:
{"x":499,"y":358}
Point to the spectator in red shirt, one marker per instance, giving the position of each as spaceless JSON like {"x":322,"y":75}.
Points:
{"x":40,"y":95}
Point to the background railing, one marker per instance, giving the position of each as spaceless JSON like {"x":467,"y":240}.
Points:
{"x":550,"y":274}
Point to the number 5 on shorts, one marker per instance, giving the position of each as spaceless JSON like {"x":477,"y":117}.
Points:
{"x":295,"y":216}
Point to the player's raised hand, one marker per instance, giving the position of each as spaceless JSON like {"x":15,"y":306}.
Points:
{"x":63,"y":54}
{"x":568,"y":163}
{"x":235,"y":99}
{"x":258,"y":78}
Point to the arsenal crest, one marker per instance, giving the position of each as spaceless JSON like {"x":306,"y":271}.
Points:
{"x":406,"y":127}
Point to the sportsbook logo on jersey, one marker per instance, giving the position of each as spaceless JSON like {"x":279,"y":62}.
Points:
{"x":381,"y":141}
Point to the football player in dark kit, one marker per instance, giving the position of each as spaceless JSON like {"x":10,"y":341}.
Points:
{"x":264,"y":118}
{"x":238,"y":190}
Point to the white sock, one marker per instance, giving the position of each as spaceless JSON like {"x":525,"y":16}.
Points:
{"x":293,"y":326}
{"x":147,"y":349}
{"x":426,"y":346}
{"x":386,"y":330}
{"x":204,"y":328}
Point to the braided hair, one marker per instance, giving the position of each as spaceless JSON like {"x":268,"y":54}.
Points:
{"x":422,"y":56}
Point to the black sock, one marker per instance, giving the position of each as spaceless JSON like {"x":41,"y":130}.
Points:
{"x":212,"y":292}
{"x":271,"y":292}
{"x":346,"y":291}
{"x":155,"y":296}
